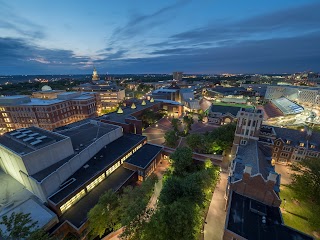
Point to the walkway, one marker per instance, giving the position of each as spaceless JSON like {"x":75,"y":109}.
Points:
{"x":215,"y":221}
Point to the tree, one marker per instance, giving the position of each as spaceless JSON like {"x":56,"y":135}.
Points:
{"x":175,"y":123}
{"x":104,"y":215}
{"x":196,"y":142}
{"x":176,"y":221}
{"x":21,"y":226}
{"x":134,"y":212}
{"x":306,"y":179}
{"x":188,"y":121}
{"x":181,"y":160}
{"x":171,"y":138}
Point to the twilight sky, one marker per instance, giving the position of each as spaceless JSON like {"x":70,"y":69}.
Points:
{"x":143,"y":36}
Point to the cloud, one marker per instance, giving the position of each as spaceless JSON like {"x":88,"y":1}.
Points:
{"x":10,"y":21}
{"x":18,"y":54}
{"x":146,"y":22}
{"x":302,"y":19}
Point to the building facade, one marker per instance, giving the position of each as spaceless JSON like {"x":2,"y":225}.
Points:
{"x":23,"y":111}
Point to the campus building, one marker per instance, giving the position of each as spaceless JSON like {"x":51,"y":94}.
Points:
{"x":219,"y":114}
{"x":68,"y":170}
{"x":21,"y":111}
{"x":253,"y":186}
{"x":109,"y":95}
{"x":302,"y":95}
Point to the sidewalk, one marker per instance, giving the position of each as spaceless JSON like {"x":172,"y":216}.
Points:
{"x":215,"y":221}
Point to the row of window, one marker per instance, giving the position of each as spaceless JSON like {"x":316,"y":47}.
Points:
{"x":98,"y":180}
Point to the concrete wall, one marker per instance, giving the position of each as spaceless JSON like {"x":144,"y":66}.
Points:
{"x":52,"y":182}
{"x":12,"y":164}
{"x":45,"y":157}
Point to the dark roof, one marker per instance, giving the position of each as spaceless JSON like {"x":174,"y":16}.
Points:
{"x":27,"y":140}
{"x":296,"y":137}
{"x":255,"y":154}
{"x":77,"y":214}
{"x":245,"y":219}
{"x":83,"y":135}
{"x":271,"y":110}
{"x":228,"y":90}
{"x":103,"y":160}
{"x":225,"y":109}
{"x":144,"y":155}
{"x":127,"y":111}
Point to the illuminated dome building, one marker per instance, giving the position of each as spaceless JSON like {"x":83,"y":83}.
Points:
{"x":95,"y":76}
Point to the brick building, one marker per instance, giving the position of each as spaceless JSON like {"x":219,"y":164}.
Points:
{"x":253,"y":186}
{"x":22,"y":111}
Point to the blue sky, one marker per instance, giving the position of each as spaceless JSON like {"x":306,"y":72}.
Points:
{"x":143,"y":36}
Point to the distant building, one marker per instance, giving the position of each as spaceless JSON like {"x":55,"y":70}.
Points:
{"x":22,"y":111}
{"x":219,"y":114}
{"x":109,"y":95}
{"x":302,"y":95}
{"x":95,"y":76}
{"x":47,"y":93}
{"x":177,"y":76}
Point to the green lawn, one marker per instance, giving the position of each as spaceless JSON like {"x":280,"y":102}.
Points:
{"x":232,"y":105}
{"x":296,"y":214}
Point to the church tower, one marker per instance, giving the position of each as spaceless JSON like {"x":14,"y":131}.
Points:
{"x":95,"y":76}
{"x":248,"y":127}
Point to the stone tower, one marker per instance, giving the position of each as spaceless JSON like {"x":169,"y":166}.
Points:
{"x":248,"y":127}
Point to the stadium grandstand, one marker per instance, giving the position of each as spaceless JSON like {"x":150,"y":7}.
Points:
{"x":286,"y":106}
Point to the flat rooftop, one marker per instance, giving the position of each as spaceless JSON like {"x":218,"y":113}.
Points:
{"x":127,"y":112}
{"x":26,"y":140}
{"x":86,"y":133}
{"x":14,"y":197}
{"x":144,"y":155}
{"x":245,"y":219}
{"x":103,"y":160}
{"x":77,"y":214}
{"x":42,"y":102}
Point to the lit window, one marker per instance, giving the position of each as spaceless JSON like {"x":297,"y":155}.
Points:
{"x":288,"y":141}
{"x":301,"y":144}
{"x":312,"y":146}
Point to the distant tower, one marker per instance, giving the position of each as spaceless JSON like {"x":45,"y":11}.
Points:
{"x":248,"y":127}
{"x":177,"y":76}
{"x":95,"y":76}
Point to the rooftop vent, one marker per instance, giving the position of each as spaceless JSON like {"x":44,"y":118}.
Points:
{"x":36,"y":142}
{"x":86,"y":166}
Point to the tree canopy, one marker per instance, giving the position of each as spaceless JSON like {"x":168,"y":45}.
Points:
{"x":171,"y":138}
{"x":214,"y":142}
{"x":306,"y":179}
{"x":21,"y":226}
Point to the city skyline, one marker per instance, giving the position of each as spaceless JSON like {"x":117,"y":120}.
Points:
{"x":153,"y":37}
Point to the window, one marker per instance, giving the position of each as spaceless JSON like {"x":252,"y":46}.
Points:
{"x":278,"y":143}
{"x":276,"y":149}
{"x":287,"y":149}
{"x":312,"y":154}
{"x":301,"y":144}
{"x":96,"y":182}
{"x":312,"y":146}
{"x":288,"y":141}
{"x":72,"y":201}
{"x":283,"y":154}
{"x":243,"y":142}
